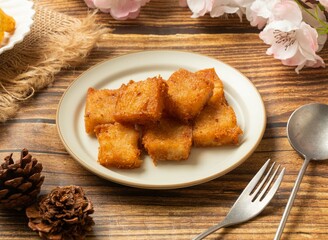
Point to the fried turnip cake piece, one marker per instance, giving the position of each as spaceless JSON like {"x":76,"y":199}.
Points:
{"x":99,"y":109}
{"x":218,"y":92}
{"x":118,"y":146}
{"x":141,"y":102}
{"x":216,"y":125}
{"x":167,"y":139}
{"x":188,"y":93}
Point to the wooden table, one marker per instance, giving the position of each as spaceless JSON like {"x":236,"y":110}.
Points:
{"x":129,"y":213}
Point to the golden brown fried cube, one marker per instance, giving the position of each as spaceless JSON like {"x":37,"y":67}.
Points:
{"x":99,"y":109}
{"x":167,"y":139}
{"x":141,"y":102}
{"x":216,"y":125}
{"x":218,"y":93}
{"x":8,"y":23}
{"x":188,"y":93}
{"x":118,"y":146}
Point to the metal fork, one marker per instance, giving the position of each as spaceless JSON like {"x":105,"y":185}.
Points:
{"x":252,"y":200}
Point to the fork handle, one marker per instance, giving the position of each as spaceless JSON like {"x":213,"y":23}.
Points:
{"x":204,"y":234}
{"x":291,"y":199}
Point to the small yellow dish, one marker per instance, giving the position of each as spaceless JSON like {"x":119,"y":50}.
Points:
{"x":7,"y":24}
{"x":16,"y":19}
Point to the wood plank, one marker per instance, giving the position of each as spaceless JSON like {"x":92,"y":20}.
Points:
{"x":123,"y":212}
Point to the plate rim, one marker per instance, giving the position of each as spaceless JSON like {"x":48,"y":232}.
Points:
{"x":161,"y":186}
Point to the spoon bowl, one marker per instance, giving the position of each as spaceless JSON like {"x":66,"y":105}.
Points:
{"x":307,"y":132}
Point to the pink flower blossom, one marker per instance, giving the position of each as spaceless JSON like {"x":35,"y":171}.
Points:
{"x":119,"y":9}
{"x":259,"y":12}
{"x":322,"y":38}
{"x":293,"y":44}
{"x":324,"y":3}
{"x":288,"y":27}
{"x":221,"y":7}
{"x":287,"y":10}
{"x":292,"y":40}
{"x":199,"y":7}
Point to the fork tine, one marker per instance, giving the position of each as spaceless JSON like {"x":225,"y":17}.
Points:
{"x":274,"y":188}
{"x":264,"y":190}
{"x":259,"y":187}
{"x":256,"y":178}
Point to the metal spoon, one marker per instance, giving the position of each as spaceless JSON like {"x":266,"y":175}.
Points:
{"x":307,"y":131}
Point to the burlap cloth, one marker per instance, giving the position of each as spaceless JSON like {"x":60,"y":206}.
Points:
{"x":56,"y":41}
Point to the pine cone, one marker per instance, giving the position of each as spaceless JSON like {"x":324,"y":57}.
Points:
{"x":20,"y":182}
{"x":62,"y":214}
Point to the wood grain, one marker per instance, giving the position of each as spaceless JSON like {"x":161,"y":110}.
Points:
{"x":129,"y":213}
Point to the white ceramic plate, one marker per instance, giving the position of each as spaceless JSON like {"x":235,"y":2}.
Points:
{"x":204,"y":164}
{"x":22,"y":11}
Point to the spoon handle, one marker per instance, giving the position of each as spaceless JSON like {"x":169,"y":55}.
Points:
{"x":291,"y":198}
